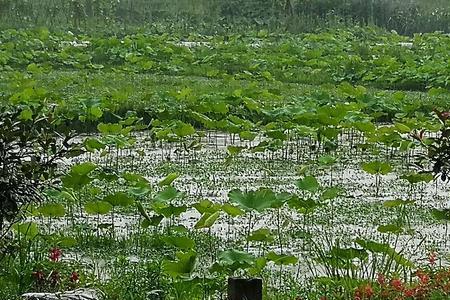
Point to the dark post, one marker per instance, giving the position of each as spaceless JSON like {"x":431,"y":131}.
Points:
{"x":244,"y":289}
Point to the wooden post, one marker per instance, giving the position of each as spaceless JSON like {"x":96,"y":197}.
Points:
{"x":244,"y":289}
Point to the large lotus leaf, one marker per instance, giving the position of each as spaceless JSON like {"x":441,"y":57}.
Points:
{"x":151,"y":221}
{"x":168,"y":194}
{"x":183,"y":129}
{"x":182,"y":266}
{"x":280,"y":259}
{"x":98,"y":207}
{"x":261,"y":235}
{"x":232,"y":210}
{"x":206,"y":206}
{"x":441,"y":214}
{"x":169,"y":210}
{"x":169,"y":179}
{"x":308,"y":183}
{"x":207,"y":220}
{"x":235,"y":259}
{"x":52,"y":210}
{"x":181,"y":242}
{"x":418,"y":177}
{"x":348,"y":253}
{"x":377,"y":167}
{"x":83,"y":168}
{"x":75,"y":181}
{"x":382,"y":248}
{"x":29,"y":230}
{"x":119,"y":199}
{"x":109,"y":128}
{"x":254,"y":200}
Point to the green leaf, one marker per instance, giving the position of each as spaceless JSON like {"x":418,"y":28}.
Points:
{"x":181,"y":242}
{"x":183,"y":130}
{"x":140,"y":189}
{"x":52,"y":210}
{"x":280,"y":259}
{"x":182,"y":267}
{"x":29,"y":230}
{"x":119,"y":199}
{"x":142,"y":210}
{"x":152,"y":221}
{"x":67,"y":242}
{"x":168,"y":194}
{"x":235,"y":259}
{"x":169,"y":179}
{"x":348,"y":253}
{"x":276,"y":134}
{"x":134,"y":178}
{"x":206,"y":206}
{"x":327,"y":160}
{"x":92,"y":144}
{"x":75,"y":181}
{"x":396,"y":203}
{"x":83,"y":168}
{"x":414,"y":178}
{"x":377,"y":167}
{"x":308,"y":183}
{"x":109,"y":129}
{"x":261,"y":235}
{"x":97,"y":207}
{"x":26,"y":114}
{"x":232,"y":210}
{"x":304,"y":205}
{"x":331,"y":193}
{"x":247,"y":135}
{"x":402,"y":128}
{"x":441,"y":214}
{"x":169,"y":210}
{"x":384,"y":249}
{"x":390,"y":228}
{"x":207,"y":220}
{"x":235,"y":150}
{"x":254,"y":200}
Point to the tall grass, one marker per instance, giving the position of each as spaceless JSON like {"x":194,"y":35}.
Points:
{"x":404,"y":16}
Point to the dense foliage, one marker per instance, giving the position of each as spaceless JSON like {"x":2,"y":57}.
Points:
{"x":359,"y":56}
{"x":203,"y":157}
{"x":406,"y":17}
{"x":32,"y":142}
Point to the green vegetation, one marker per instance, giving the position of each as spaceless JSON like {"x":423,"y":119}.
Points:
{"x":212,"y":16}
{"x":155,"y":166}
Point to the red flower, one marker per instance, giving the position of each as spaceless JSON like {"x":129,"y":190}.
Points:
{"x":397,"y":284}
{"x":410,"y":293}
{"x":424,"y":279}
{"x":55,"y":254}
{"x":74,"y":277}
{"x":381,"y":279}
{"x":368,"y":291}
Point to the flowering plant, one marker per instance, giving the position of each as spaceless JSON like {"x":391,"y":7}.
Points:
{"x":53,"y":274}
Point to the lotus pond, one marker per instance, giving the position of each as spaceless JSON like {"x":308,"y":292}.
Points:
{"x":162,"y":168}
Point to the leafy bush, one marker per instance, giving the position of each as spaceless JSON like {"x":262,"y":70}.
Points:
{"x":32,"y":141}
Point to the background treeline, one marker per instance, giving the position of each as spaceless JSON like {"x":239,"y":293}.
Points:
{"x":404,"y":16}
